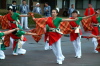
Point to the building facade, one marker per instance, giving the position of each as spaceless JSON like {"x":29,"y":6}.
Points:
{"x":63,"y":5}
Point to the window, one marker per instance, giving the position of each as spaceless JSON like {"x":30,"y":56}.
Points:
{"x":93,"y":2}
{"x":65,"y":4}
{"x":98,"y":4}
{"x":79,"y":4}
{"x":85,"y":3}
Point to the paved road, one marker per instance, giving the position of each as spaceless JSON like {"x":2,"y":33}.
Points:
{"x":37,"y":56}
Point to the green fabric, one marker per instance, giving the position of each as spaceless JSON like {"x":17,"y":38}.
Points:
{"x":1,"y":34}
{"x":78,"y":21}
{"x":16,"y":48}
{"x":20,"y":27}
{"x":57,"y":21}
{"x":15,"y":16}
{"x":2,"y":45}
{"x":20,"y":33}
{"x":47,"y":28}
{"x":98,"y":19}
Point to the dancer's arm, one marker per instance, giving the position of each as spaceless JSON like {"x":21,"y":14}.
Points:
{"x":69,"y":19}
{"x":88,"y":16}
{"x":28,"y":33}
{"x":10,"y":31}
{"x":94,"y":36}
{"x":24,"y":15}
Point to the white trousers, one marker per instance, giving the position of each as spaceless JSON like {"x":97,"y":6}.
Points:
{"x":56,"y":47}
{"x":20,"y":50}
{"x":11,"y":40}
{"x":24,"y":21}
{"x":2,"y":55}
{"x":77,"y":46}
{"x":94,"y":40}
{"x":47,"y":47}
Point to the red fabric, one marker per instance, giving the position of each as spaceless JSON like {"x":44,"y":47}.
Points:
{"x":7,"y":40}
{"x":46,"y":36}
{"x":73,"y":35}
{"x":98,"y":47}
{"x":94,"y":19}
{"x":39,"y":30}
{"x":15,"y":37}
{"x":87,"y":24}
{"x":95,"y":30}
{"x":53,"y":36}
{"x":4,"y":22}
{"x":14,"y":44}
{"x":91,"y":11}
{"x":13,"y":26}
{"x":65,"y":27}
{"x":9,"y":17}
{"x":38,"y":36}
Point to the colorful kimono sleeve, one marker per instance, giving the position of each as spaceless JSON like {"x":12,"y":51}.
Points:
{"x":87,"y":24}
{"x":65,"y":27}
{"x":1,"y":34}
{"x":4,"y":22}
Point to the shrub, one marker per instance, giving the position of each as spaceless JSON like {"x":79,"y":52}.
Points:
{"x":31,"y":23}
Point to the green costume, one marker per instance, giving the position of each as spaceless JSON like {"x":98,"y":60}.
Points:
{"x":2,"y":46}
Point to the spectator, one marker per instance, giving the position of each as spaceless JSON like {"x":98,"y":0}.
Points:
{"x":24,"y":9}
{"x":37,"y":9}
{"x":89,"y":10}
{"x":14,"y":6}
{"x":47,"y":10}
{"x":71,"y":10}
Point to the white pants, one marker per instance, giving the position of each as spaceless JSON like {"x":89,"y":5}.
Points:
{"x":20,"y":50}
{"x":24,"y":21}
{"x":56,"y":47}
{"x":77,"y":46}
{"x":11,"y":40}
{"x":94,"y":40}
{"x":2,"y":55}
{"x":47,"y":47}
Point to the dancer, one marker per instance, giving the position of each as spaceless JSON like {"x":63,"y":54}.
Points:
{"x":13,"y":18}
{"x":14,"y":23}
{"x":96,"y":28}
{"x":19,"y":40}
{"x":54,"y":34}
{"x":75,"y":35}
{"x":89,"y":10}
{"x":2,"y":46}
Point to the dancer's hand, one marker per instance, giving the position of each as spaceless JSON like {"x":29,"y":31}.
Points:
{"x":16,"y":28}
{"x":34,"y":34}
{"x":31,"y":14}
{"x":76,"y":18}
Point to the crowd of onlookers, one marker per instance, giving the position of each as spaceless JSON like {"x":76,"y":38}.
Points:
{"x":24,"y":9}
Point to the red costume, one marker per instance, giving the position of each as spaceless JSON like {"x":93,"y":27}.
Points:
{"x":89,"y":11}
{"x":95,"y":30}
{"x":73,"y":35}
